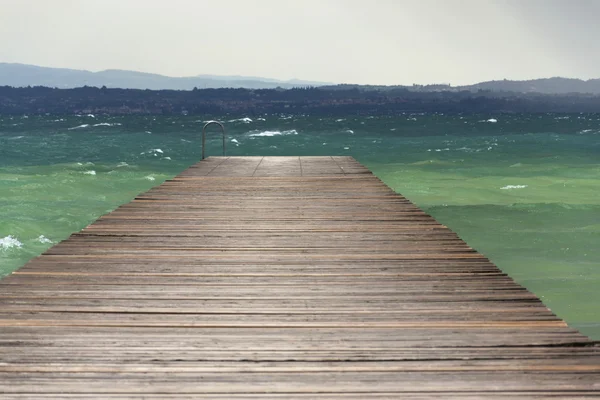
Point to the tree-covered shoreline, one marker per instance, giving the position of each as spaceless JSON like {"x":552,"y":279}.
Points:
{"x":331,"y":100}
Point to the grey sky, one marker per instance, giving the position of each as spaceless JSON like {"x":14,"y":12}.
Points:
{"x":355,"y":41}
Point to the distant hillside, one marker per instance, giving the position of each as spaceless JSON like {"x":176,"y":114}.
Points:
{"x":22,"y":75}
{"x":546,"y":86}
{"x":541,"y":86}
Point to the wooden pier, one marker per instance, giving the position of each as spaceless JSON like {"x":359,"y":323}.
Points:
{"x":279,"y":278}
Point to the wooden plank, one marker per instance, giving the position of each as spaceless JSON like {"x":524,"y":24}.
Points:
{"x":279,"y":277}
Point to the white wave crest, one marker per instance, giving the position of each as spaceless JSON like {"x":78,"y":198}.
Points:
{"x":91,"y":116}
{"x":509,"y":187}
{"x":10,"y":242}
{"x":43,"y":239}
{"x":150,"y":178}
{"x":154,"y":152}
{"x":492,"y":120}
{"x":349,"y":131}
{"x":108,"y":124}
{"x":91,"y":172}
{"x":274,"y":133}
{"x":234,"y":141}
{"x":245,"y":120}
{"x":79,"y":127}
{"x":122,"y":164}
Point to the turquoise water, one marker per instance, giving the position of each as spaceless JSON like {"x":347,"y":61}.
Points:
{"x":522,"y":189}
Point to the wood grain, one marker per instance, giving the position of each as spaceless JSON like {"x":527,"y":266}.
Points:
{"x":279,"y":278}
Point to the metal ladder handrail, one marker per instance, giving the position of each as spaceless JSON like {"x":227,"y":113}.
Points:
{"x":204,"y":135}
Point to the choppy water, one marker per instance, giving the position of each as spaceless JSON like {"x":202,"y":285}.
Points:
{"x":523,"y":190}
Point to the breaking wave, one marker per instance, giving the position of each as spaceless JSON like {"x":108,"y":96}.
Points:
{"x":10,"y":242}
{"x":274,"y":133}
{"x":79,"y":127}
{"x":509,"y":187}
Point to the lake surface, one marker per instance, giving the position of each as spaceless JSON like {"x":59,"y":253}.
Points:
{"x":523,"y":189}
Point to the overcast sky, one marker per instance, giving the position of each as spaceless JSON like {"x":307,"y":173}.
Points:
{"x":353,"y":41}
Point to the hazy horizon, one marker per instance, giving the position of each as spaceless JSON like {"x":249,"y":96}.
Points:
{"x":268,"y":78}
{"x":389,"y":42}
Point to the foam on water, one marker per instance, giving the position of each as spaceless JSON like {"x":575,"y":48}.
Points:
{"x":92,"y":172}
{"x":107,"y":124}
{"x":274,"y":133}
{"x":10,"y":242}
{"x":509,"y":187}
{"x":154,"y":152}
{"x":44,"y":240}
{"x":82,"y":126}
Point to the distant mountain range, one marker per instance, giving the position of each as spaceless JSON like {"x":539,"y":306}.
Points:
{"x":22,"y":75}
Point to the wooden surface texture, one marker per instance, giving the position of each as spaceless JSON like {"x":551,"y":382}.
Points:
{"x":279,"y":278}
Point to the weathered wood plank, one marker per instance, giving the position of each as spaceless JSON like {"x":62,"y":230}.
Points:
{"x":279,"y":277}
